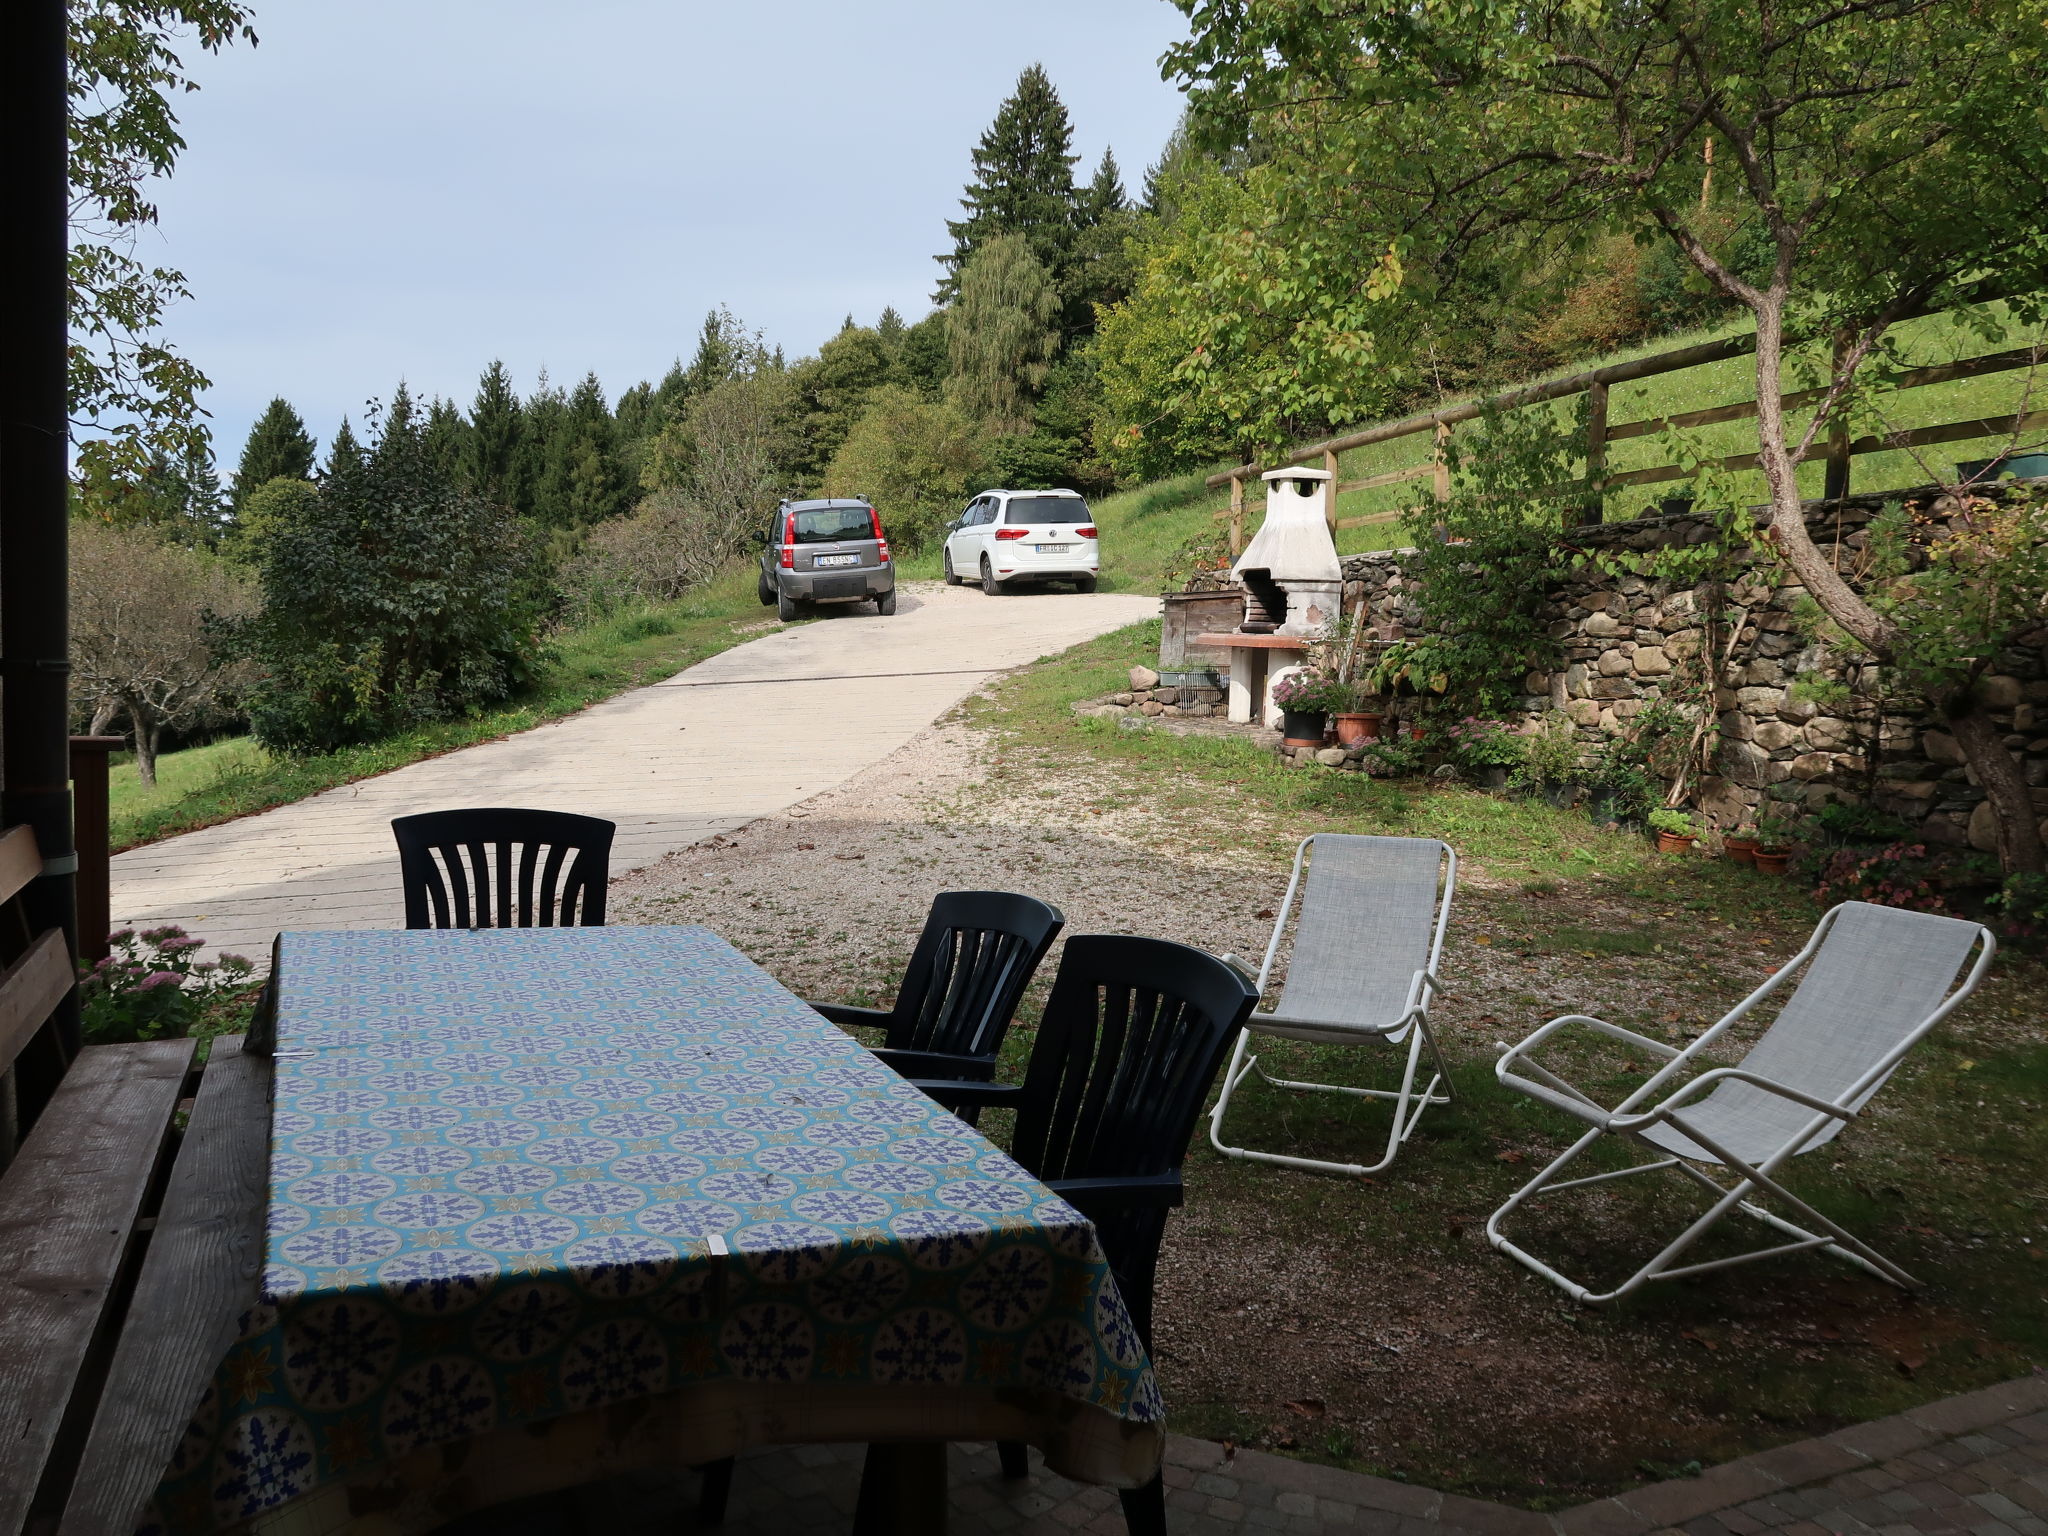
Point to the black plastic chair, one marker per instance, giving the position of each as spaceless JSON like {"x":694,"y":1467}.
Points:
{"x":503,"y":869}
{"x":977,"y":954}
{"x":1131,"y":1038}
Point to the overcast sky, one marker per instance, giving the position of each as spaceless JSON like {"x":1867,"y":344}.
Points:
{"x":409,"y":188}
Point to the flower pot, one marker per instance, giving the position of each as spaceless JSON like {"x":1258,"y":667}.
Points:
{"x":1302,"y":728}
{"x":1603,"y":805}
{"x":1741,"y":849}
{"x":1771,"y":861}
{"x":1355,"y":730}
{"x":1674,"y":842}
{"x":1493,"y":780}
{"x":1561,"y":793}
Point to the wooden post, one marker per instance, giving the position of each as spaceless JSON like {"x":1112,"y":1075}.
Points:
{"x":1595,"y":509}
{"x":1442,"y":476}
{"x":1330,"y":506}
{"x":1836,"y":484}
{"x":89,"y":824}
{"x":1236,"y":516}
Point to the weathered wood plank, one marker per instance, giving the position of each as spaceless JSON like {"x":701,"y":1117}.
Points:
{"x":20,"y":861}
{"x":67,"y":1211}
{"x":30,"y":990}
{"x":199,"y":1275}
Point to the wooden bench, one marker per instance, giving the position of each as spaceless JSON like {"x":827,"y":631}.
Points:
{"x":129,"y":1244}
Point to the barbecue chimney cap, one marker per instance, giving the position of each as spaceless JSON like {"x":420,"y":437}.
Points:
{"x":1297,"y":474}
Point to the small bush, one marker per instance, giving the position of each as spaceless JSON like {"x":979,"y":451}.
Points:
{"x":151,"y":988}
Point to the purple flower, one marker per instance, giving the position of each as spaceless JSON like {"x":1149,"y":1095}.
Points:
{"x":156,"y":979}
{"x":120,"y":935}
{"x":172,"y":946}
{"x":158,"y":935}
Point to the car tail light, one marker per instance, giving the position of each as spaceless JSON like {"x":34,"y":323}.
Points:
{"x":789,"y":542}
{"x":1084,"y":533}
{"x":1013,"y":533}
{"x":875,"y":518}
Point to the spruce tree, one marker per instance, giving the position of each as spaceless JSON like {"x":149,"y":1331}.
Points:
{"x":1104,"y":196}
{"x":719,"y":352}
{"x":278,"y":445}
{"x":445,"y":436}
{"x":344,"y":454}
{"x":403,"y":428}
{"x":1023,"y":183}
{"x":490,"y":451}
{"x":542,"y":414}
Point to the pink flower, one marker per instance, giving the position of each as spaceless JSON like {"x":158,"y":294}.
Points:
{"x":157,"y":979}
{"x":120,"y":935}
{"x":158,"y":935}
{"x":173,"y":946}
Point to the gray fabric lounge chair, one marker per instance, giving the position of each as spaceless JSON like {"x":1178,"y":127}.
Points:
{"x":1878,"y":981}
{"x":1364,"y":969}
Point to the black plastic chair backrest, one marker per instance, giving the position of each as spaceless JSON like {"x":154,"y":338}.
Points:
{"x":1130,"y":1040}
{"x":977,"y":954}
{"x":503,"y":869}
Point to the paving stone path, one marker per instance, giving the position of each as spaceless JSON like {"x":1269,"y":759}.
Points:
{"x":739,"y":736}
{"x":1975,"y":1464}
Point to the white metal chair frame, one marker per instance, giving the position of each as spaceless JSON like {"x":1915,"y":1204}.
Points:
{"x":1413,"y":1021}
{"x":1630,"y":1120}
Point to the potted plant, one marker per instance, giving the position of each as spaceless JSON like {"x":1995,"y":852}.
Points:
{"x":1677,"y":831}
{"x":1486,"y":749}
{"x":1774,"y":844}
{"x":1306,"y":699}
{"x":1550,"y":761}
{"x":1358,"y":709}
{"x":1621,"y":787}
{"x":1739,"y":842}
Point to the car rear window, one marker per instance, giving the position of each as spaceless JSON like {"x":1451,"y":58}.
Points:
{"x":1047,"y":509}
{"x":829,"y":525}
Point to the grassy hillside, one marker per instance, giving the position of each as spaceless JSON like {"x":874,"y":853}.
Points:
{"x":1142,"y":528}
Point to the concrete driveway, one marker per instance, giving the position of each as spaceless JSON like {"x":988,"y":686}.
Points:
{"x":747,"y":733}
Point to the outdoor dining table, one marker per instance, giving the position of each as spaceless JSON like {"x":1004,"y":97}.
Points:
{"x":549,"y":1205}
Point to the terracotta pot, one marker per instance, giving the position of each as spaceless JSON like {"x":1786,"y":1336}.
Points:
{"x":1741,"y":849}
{"x":1771,"y":861}
{"x":1674,"y":842}
{"x":1355,"y":730}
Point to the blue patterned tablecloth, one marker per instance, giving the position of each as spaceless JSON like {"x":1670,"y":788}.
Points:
{"x":524,"y":1174}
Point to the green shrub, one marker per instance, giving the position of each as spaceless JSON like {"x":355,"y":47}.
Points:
{"x":389,"y":599}
{"x":151,"y":988}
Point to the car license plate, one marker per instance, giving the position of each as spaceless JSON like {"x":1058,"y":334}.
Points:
{"x":1054,"y":549}
{"x":837,"y":560}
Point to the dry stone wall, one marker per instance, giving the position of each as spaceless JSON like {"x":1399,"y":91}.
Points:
{"x":1738,"y":646}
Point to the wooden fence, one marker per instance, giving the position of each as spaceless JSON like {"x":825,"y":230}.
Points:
{"x":1839,"y":448}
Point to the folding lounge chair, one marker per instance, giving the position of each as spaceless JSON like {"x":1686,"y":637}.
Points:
{"x":1364,"y":968}
{"x":1878,"y":982}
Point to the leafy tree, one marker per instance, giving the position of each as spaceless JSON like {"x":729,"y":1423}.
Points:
{"x":743,"y":436}
{"x":389,"y":599}
{"x":139,"y":640}
{"x":344,"y":453}
{"x":917,"y":459}
{"x":268,"y":507}
{"x":177,"y":494}
{"x":1434,"y":143}
{"x":125,"y":383}
{"x":491,"y":451}
{"x":920,"y":362}
{"x":1001,"y":336}
{"x":832,"y":391}
{"x":278,"y":445}
{"x":1023,"y":183}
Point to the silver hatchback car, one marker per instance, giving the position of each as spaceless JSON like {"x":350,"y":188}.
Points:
{"x":826,"y":551}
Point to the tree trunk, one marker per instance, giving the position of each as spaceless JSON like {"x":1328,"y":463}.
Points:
{"x":104,"y":710}
{"x":148,"y":731}
{"x":2020,"y":849}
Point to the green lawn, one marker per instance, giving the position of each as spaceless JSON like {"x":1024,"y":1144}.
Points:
{"x":1368,"y":1324}
{"x":225,"y":780}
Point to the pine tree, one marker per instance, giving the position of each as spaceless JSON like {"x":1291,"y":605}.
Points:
{"x":344,"y":454}
{"x":891,"y":328}
{"x":541,"y":415}
{"x":490,"y":451}
{"x":278,"y":445}
{"x":1103,"y":196}
{"x":671,"y":396}
{"x":1023,"y":182}
{"x":402,"y":429}
{"x":444,"y":437}
{"x":721,"y":349}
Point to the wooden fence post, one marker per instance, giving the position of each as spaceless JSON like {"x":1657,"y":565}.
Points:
{"x":1595,"y":509}
{"x":1836,"y":483}
{"x":1441,"y":476}
{"x":89,"y":825}
{"x":1330,"y":506}
{"x":1236,"y":516}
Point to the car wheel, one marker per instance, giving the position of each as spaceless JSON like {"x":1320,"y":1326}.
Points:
{"x":989,"y":584}
{"x":1085,"y":584}
{"x":787,"y":608}
{"x":952,"y":576}
{"x":764,"y":589}
{"x":885,"y":605}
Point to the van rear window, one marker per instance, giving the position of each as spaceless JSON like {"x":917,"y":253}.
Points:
{"x":1047,"y":509}
{"x":829,"y":525}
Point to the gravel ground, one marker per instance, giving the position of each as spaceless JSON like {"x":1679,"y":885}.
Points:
{"x":1367,"y":1323}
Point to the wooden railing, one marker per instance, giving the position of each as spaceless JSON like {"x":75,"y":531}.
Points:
{"x":1837,"y":451}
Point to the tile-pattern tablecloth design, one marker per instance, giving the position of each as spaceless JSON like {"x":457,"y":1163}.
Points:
{"x":503,"y":1163}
